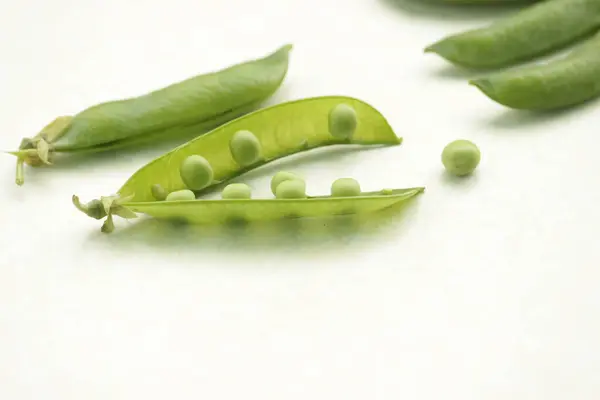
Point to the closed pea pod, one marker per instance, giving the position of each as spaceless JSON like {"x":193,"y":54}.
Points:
{"x":535,"y":31}
{"x":282,"y":130}
{"x":559,"y":83}
{"x":184,"y":109}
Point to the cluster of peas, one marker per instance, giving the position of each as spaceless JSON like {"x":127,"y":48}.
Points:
{"x":460,"y":157}
{"x":197,"y":173}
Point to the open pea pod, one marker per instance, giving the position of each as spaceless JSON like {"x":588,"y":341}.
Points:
{"x":275,"y":132}
{"x":189,"y":107}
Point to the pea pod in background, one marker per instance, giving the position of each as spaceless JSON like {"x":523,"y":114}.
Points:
{"x":189,"y":107}
{"x":247,"y":143}
{"x":564,"y":82}
{"x":535,"y":31}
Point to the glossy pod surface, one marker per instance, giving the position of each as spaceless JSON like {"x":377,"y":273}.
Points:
{"x":222,"y":211}
{"x":535,"y":31}
{"x":191,"y":103}
{"x":560,"y":83}
{"x":282,"y":130}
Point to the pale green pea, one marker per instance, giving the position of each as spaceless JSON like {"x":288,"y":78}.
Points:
{"x":345,"y":187}
{"x":236,"y":191}
{"x":291,"y":189}
{"x":342,"y":121}
{"x":196,"y":172}
{"x":245,"y":148}
{"x":461,"y":157}
{"x":181,"y":195}
{"x":280,"y":177}
{"x":158,"y":192}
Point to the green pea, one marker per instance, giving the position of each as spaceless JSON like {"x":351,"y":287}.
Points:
{"x":291,"y":189}
{"x":158,"y":192}
{"x":245,"y":148}
{"x":342,"y":121}
{"x":345,"y":187}
{"x":461,"y":157}
{"x":196,"y":172}
{"x":181,"y":195}
{"x":281,"y":176}
{"x":236,"y":191}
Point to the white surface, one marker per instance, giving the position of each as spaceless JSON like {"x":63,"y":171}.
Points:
{"x":483,"y":289}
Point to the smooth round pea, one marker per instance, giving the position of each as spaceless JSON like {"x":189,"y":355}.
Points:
{"x":291,"y":189}
{"x":158,"y":192}
{"x":461,"y":157}
{"x":345,"y":187}
{"x":280,"y":177}
{"x":196,"y":172}
{"x":236,"y":191}
{"x":181,"y":195}
{"x":245,"y":148}
{"x":342,"y":121}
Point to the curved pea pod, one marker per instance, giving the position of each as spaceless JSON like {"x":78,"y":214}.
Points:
{"x":560,"y":83}
{"x":535,"y":31}
{"x":223,"y":211}
{"x":187,"y":108}
{"x":281,"y":130}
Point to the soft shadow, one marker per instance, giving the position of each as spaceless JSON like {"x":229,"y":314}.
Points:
{"x":301,"y":235}
{"x":438,"y":9}
{"x":510,"y":119}
{"x":448,"y":179}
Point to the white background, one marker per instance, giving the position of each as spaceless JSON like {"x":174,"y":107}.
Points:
{"x":484,"y":288}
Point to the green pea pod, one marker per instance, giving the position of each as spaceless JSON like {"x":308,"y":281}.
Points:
{"x":559,"y":83}
{"x":281,"y":130}
{"x":535,"y":31}
{"x":189,"y":107}
{"x":222,"y":211}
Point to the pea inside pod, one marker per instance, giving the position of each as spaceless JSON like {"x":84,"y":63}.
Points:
{"x":181,"y":110}
{"x":280,"y":177}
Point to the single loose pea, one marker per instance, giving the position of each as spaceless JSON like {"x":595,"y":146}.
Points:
{"x":461,"y":157}
{"x":280,"y":177}
{"x":245,"y":148}
{"x":342,"y":121}
{"x":158,"y":192}
{"x":196,"y":172}
{"x":236,"y":191}
{"x":181,"y":195}
{"x":291,"y":189}
{"x":345,"y":187}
